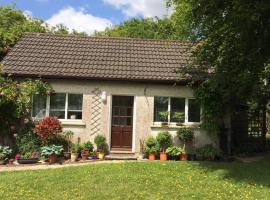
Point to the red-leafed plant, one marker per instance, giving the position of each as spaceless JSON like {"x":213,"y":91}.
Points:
{"x":47,"y":127}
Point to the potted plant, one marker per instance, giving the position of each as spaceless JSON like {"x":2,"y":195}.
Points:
{"x":28,"y":146}
{"x":186,"y":135}
{"x":151,"y":148}
{"x":164,"y":117}
{"x":164,"y":140}
{"x":179,"y":117}
{"x":5,"y":152}
{"x":207,"y":152}
{"x":75,"y":151}
{"x":102,"y":147}
{"x":184,"y":155}
{"x":51,"y":151}
{"x":87,"y":148}
{"x":28,"y":158}
{"x":174,"y":152}
{"x":68,"y":135}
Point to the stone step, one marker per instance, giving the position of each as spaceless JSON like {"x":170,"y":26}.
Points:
{"x":121,"y":156}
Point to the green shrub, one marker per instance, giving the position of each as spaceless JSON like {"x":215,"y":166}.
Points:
{"x":59,"y":140}
{"x":28,"y":144}
{"x":164,"y":140}
{"x":76,"y":148}
{"x":207,"y":151}
{"x":174,"y":151}
{"x":88,"y":146}
{"x":151,"y":146}
{"x":51,"y":149}
{"x":5,"y":152}
{"x":100,"y":141}
{"x":185,"y":134}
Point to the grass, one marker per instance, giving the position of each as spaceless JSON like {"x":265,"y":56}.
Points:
{"x":142,"y":180}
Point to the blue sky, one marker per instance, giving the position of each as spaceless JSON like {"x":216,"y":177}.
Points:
{"x":90,"y":15}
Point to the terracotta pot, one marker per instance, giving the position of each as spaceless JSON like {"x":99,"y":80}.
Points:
{"x":184,"y":156}
{"x":152,"y":156}
{"x":163,"y":156}
{"x":74,"y":157}
{"x":101,"y":156}
{"x":52,"y":159}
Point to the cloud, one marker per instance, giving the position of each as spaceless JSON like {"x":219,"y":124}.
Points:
{"x":144,"y":8}
{"x":28,"y":13}
{"x":79,"y":20}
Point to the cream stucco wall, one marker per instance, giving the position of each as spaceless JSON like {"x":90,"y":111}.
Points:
{"x":143,"y":107}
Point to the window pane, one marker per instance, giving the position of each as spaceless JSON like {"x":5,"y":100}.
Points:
{"x":75,"y":101}
{"x":193,"y":111}
{"x":177,"y":110}
{"x":75,"y":106}
{"x":160,"y":105}
{"x":57,"y":101}
{"x":39,"y":106}
{"x":57,"y":105}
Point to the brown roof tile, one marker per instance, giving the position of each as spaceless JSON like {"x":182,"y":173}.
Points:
{"x":85,"y":57}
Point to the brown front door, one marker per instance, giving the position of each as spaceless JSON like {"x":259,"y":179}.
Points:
{"x":122,"y":122}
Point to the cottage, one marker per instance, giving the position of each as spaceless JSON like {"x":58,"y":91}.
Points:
{"x":119,"y":87}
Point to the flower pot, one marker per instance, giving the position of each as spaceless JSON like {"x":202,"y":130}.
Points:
{"x":184,"y":156}
{"x":163,"y":156}
{"x":74,"y":157}
{"x":67,"y":155}
{"x":101,"y":155}
{"x":152,"y":156}
{"x":3,"y":162}
{"x":27,"y":160}
{"x":192,"y":157}
{"x":73,"y":116}
{"x":52,"y":158}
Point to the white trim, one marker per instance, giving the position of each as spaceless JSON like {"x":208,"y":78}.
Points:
{"x":110,"y":122}
{"x":134,"y":125}
{"x":66,"y":106}
{"x":186,"y":110}
{"x":169,"y":109}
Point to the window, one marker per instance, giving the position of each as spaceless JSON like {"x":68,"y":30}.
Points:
{"x":39,"y":106}
{"x":57,"y":105}
{"x":60,"y":105}
{"x":160,"y":105}
{"x":194,"y":111}
{"x":179,"y":109}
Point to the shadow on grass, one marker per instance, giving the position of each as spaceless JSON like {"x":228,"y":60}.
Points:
{"x":252,"y":173}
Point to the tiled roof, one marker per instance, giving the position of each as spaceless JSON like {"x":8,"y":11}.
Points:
{"x":84,"y":57}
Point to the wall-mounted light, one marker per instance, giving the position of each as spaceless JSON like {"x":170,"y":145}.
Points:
{"x":103,"y":96}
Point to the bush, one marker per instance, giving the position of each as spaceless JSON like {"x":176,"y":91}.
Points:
{"x":47,"y":127}
{"x":88,"y":146}
{"x":164,"y":140}
{"x":51,"y":149}
{"x":28,"y":144}
{"x":5,"y":152}
{"x":151,"y":146}
{"x":76,"y":148}
{"x":207,"y":151}
{"x":174,"y":151}
{"x":59,"y":140}
{"x":185,"y":134}
{"x":100,"y":141}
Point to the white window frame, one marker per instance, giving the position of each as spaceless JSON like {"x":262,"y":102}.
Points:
{"x":186,"y":122}
{"x":48,"y":100}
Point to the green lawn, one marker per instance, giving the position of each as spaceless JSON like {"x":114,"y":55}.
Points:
{"x":142,"y":180}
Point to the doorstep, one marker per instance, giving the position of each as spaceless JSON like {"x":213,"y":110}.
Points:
{"x":121,"y":156}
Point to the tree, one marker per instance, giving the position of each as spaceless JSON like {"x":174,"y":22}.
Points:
{"x":13,"y":24}
{"x":15,"y":101}
{"x":151,"y":28}
{"x":233,"y":42}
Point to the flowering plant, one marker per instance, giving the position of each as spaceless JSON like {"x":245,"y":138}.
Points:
{"x":47,"y":127}
{"x":5,"y":152}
